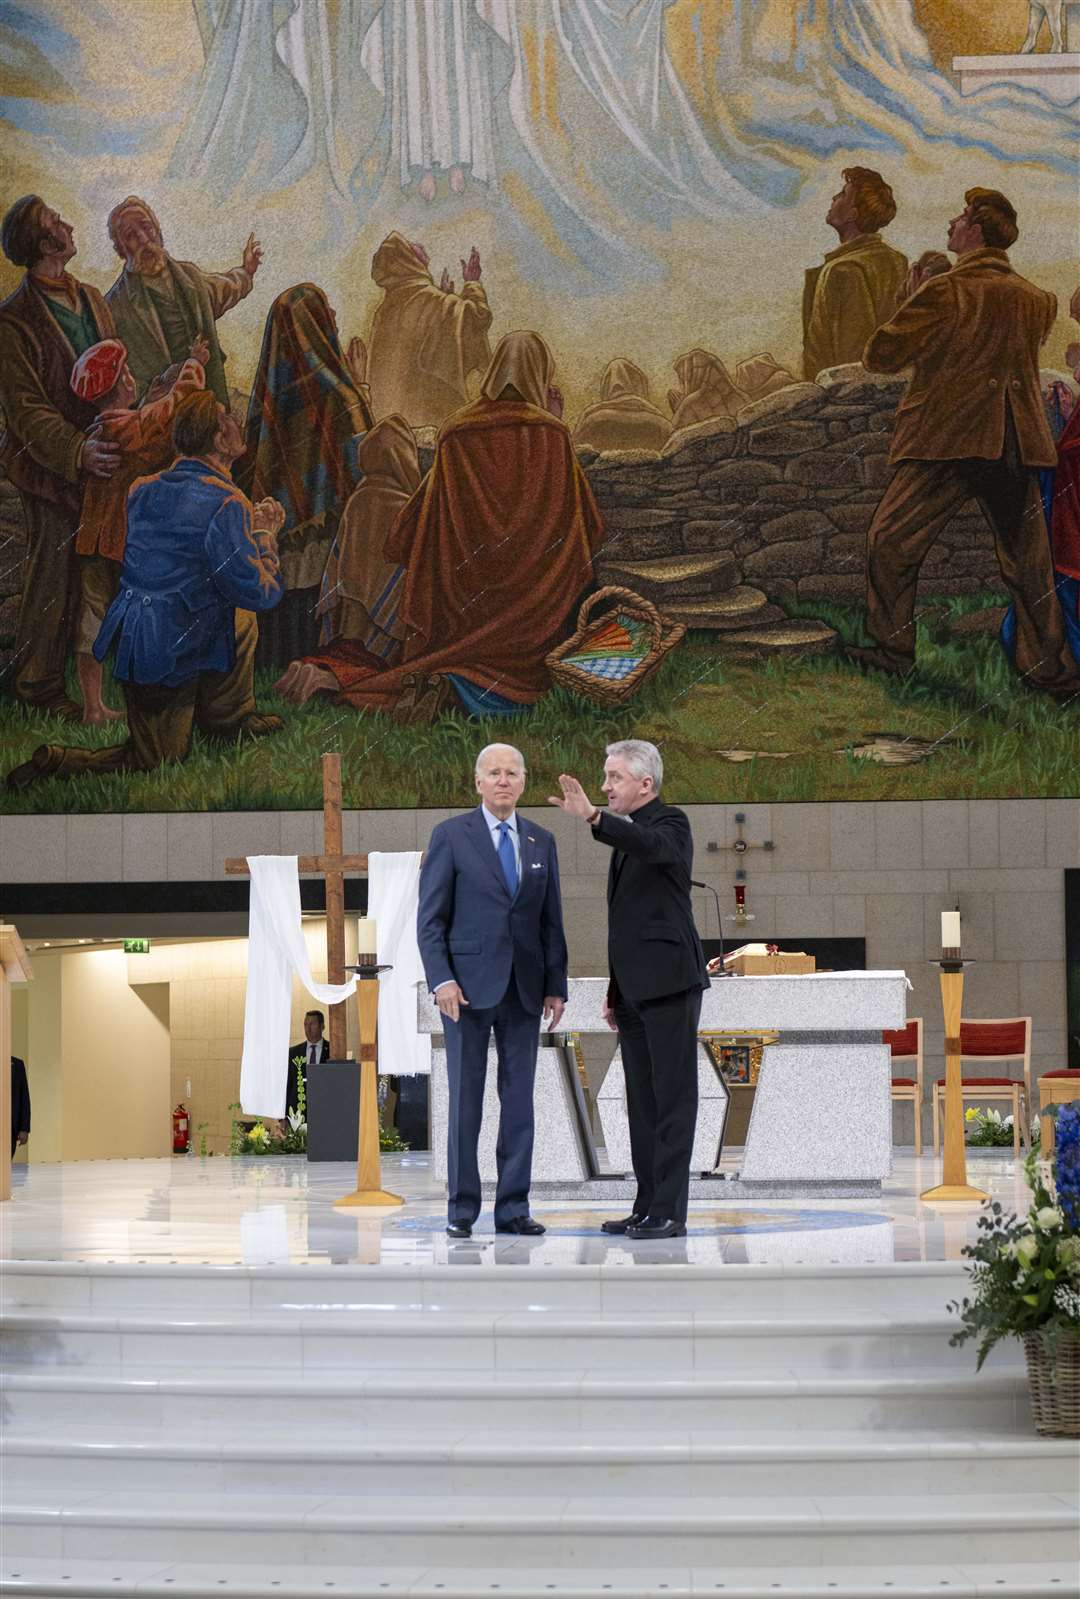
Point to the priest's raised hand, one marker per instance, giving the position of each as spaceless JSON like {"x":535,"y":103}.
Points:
{"x":573,"y":799}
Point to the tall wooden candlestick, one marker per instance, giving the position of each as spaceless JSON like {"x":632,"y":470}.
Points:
{"x":369,"y":1190}
{"x":954,"y":1167}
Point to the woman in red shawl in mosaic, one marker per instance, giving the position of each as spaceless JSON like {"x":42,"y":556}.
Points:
{"x":497,"y":545}
{"x":308,"y":404}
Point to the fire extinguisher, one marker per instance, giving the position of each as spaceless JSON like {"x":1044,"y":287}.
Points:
{"x":180,"y":1131}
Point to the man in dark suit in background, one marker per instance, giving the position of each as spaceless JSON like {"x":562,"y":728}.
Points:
{"x":20,"y":1104}
{"x":311,"y":1052}
{"x":657,"y":976}
{"x":491,"y":938}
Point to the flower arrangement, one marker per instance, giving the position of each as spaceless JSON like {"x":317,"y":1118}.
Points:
{"x":988,"y":1128}
{"x":262,"y":1140}
{"x":1025,"y":1273}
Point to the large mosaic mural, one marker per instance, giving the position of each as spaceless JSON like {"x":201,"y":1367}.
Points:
{"x":388,"y":376}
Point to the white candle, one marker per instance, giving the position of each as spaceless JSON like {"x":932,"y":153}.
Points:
{"x":950,"y":929}
{"x":366,"y":937}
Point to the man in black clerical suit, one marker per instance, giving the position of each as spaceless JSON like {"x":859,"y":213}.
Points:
{"x":20,"y":1104}
{"x":312,"y":1052}
{"x":657,"y":976}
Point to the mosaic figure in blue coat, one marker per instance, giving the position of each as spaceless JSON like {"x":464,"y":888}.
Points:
{"x":199,"y":562}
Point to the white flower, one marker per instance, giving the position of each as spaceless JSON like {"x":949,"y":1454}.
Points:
{"x":1068,"y":1253}
{"x":1068,"y":1300}
{"x":1048,"y":1218}
{"x":1025,"y":1249}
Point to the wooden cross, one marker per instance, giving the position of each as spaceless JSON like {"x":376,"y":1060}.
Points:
{"x":331,"y":864}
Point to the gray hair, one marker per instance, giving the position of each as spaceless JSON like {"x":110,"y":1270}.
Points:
{"x":642,"y":758}
{"x":487,"y":749}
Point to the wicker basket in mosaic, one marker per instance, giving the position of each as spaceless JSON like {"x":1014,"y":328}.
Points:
{"x":611,"y":655}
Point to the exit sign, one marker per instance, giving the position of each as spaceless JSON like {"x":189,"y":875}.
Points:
{"x":136,"y":946}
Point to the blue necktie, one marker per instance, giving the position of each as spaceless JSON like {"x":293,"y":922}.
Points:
{"x":507,"y":858}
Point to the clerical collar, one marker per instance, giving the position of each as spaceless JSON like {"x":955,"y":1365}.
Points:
{"x":62,"y":288}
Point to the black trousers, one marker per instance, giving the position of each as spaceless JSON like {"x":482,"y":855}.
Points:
{"x":658,"y":1039}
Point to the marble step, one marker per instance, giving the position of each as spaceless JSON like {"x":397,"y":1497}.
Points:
{"x":576,"y":1534}
{"x":633,"y":1287}
{"x":510,"y":1341}
{"x":663,"y":1464}
{"x":38,"y":1398}
{"x":38,"y":1578}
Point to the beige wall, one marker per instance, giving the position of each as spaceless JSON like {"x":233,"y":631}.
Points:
{"x":884,"y":871}
{"x":97,"y":1054}
{"x":206,"y":983}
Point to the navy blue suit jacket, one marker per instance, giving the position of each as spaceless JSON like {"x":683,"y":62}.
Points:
{"x":469,"y":929}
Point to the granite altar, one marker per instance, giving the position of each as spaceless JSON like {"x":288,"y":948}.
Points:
{"x":822,"y":1117}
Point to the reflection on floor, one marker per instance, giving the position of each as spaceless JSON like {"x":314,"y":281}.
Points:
{"x":266,"y":1211}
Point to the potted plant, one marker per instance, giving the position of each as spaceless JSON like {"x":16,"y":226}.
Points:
{"x":1025,"y":1276}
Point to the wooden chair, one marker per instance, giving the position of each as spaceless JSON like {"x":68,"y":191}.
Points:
{"x":906,"y":1045}
{"x":1055,"y":1088}
{"x":997,"y":1039}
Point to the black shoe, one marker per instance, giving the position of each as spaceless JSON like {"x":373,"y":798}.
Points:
{"x":459,"y":1229}
{"x":521,"y":1224}
{"x":624,"y":1223}
{"x":656,"y":1227}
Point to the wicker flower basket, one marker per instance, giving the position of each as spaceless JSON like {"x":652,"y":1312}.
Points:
{"x":1054,"y":1381}
{"x":664,"y":634}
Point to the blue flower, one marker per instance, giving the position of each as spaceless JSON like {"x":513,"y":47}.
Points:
{"x":1067,"y":1164}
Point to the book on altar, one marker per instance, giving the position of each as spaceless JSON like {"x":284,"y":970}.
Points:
{"x":765,"y":960}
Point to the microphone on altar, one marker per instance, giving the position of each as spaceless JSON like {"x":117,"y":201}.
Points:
{"x":722,"y":972}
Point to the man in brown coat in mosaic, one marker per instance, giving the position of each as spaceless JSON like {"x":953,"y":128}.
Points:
{"x":44,"y":327}
{"x":971,"y":424}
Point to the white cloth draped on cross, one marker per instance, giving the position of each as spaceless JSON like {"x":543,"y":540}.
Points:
{"x":276,"y":949}
{"x":393,"y":898}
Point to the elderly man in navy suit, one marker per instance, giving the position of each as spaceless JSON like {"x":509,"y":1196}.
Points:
{"x":491,"y":938}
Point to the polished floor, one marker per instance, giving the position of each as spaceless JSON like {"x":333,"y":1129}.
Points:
{"x":280,"y":1211}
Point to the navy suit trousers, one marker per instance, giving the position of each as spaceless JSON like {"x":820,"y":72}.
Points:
{"x":517,"y":1035}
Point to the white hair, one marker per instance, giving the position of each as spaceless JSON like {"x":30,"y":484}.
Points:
{"x":642,"y":759}
{"x":487,"y":749}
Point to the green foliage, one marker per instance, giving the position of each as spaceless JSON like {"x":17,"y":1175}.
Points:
{"x":1025,"y":1274}
{"x":1013,"y":741}
{"x":988,"y":1129}
{"x":391,"y":1141}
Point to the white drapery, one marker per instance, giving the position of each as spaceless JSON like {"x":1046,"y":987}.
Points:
{"x":393,"y":894}
{"x":276,"y":949}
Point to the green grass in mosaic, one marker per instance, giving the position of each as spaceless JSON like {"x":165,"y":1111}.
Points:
{"x":800,"y":721}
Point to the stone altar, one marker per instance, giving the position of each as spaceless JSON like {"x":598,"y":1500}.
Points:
{"x":822,"y":1118}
